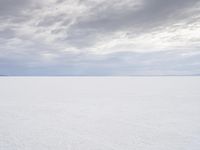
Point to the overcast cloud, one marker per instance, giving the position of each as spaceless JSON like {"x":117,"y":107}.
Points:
{"x":99,"y":37}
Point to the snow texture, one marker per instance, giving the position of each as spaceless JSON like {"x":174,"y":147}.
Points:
{"x":100,"y":113}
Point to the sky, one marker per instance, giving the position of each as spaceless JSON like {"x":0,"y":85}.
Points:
{"x":99,"y":37}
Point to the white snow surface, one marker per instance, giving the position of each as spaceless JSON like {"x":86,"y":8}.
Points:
{"x":100,"y":113}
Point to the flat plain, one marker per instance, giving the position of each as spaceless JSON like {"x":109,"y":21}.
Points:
{"x":100,"y":113}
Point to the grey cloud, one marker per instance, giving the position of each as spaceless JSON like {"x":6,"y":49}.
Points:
{"x":51,"y":20}
{"x":12,"y":7}
{"x":108,"y":18}
{"x":7,"y":33}
{"x":81,"y":38}
{"x":60,"y":1}
{"x":22,"y":54}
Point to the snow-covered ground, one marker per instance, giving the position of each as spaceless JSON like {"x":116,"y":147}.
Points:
{"x":100,"y":113}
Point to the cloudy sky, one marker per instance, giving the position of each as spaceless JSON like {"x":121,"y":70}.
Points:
{"x":99,"y":37}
